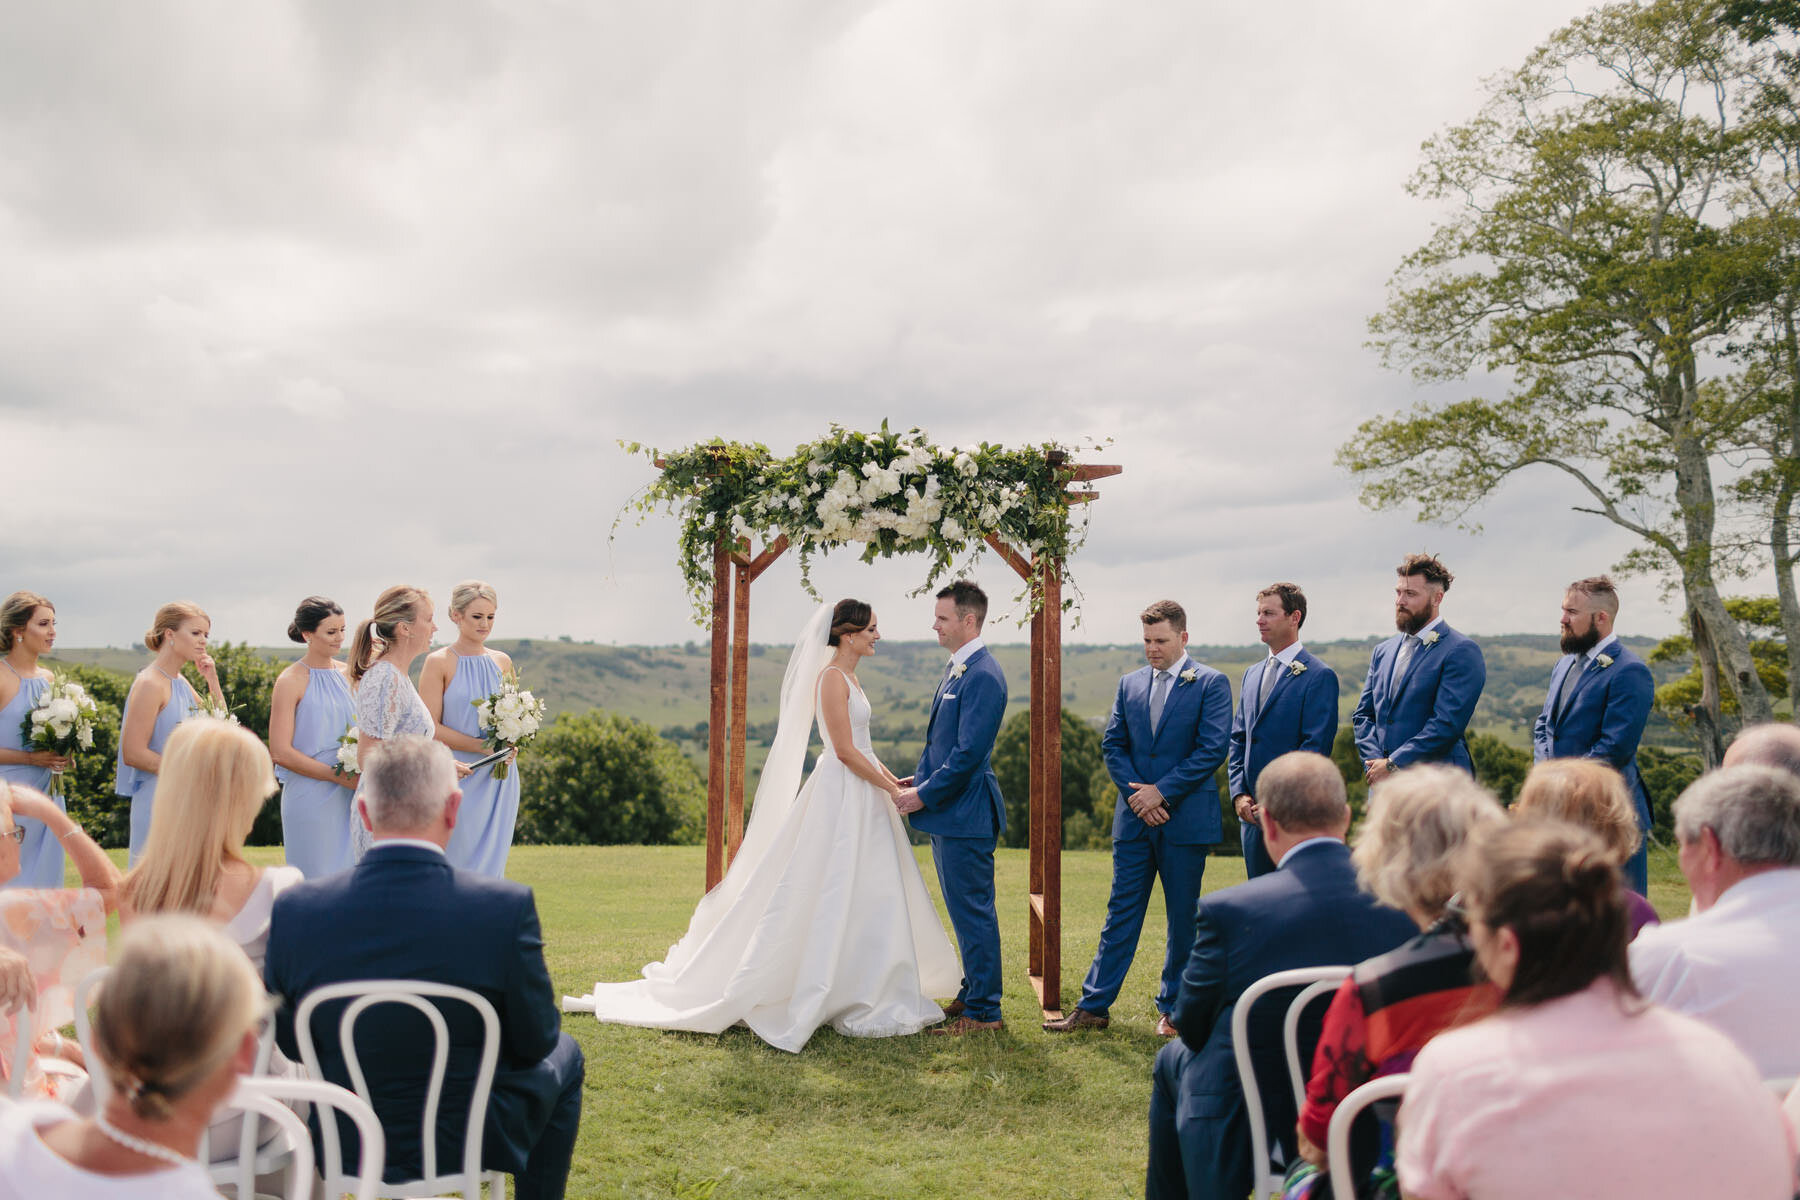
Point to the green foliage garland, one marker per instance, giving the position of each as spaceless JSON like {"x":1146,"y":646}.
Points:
{"x":895,"y":493}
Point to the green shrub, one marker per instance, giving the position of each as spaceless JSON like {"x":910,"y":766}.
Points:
{"x":596,"y":778}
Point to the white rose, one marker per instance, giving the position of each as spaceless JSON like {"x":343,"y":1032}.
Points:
{"x":85,"y":738}
{"x":63,"y":709}
{"x":953,"y":529}
{"x":965,"y":465}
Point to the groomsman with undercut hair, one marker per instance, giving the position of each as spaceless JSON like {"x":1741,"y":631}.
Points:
{"x":1598,"y":701}
{"x":1288,"y":701}
{"x":1163,"y":745}
{"x":1423,"y":682}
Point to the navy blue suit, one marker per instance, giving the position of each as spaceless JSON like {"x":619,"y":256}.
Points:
{"x":405,"y":913}
{"x":965,"y":814}
{"x":1603,"y":719}
{"x":1300,"y":713}
{"x":1180,"y":757}
{"x":1309,"y":913}
{"x":1423,"y":716}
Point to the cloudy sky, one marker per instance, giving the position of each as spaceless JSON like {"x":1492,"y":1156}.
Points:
{"x":323,"y":296}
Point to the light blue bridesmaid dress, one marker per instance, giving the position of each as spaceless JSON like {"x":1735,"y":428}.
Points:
{"x":40,"y":856}
{"x":484,"y":825}
{"x":140,"y":786}
{"x":315,"y":815}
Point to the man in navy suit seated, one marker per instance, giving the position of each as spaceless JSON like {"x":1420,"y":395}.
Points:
{"x":1308,"y":913}
{"x":1163,"y":745}
{"x":1423,"y":682}
{"x":1288,"y":701}
{"x":1598,"y":701}
{"x":404,"y":913}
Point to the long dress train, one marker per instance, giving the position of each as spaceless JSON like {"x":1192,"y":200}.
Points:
{"x":825,"y":920}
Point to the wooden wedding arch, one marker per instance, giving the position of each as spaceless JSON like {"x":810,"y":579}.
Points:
{"x":737,"y":565}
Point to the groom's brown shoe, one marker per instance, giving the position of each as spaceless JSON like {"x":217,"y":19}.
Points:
{"x":962,"y":1025}
{"x":954,"y":1009}
{"x":1080,"y":1018}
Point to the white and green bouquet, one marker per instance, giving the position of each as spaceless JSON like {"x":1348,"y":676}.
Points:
{"x":510,"y":718}
{"x":61,"y":722}
{"x":347,"y":764}
{"x":218,"y":710}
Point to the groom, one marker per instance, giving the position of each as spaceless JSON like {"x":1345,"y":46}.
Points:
{"x":955,"y":797}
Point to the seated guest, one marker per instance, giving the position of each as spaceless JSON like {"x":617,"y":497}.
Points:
{"x":404,"y":913}
{"x":174,"y":1025}
{"x":1307,"y":913}
{"x":1591,"y":794}
{"x":1735,"y":963}
{"x":214,"y":779}
{"x":1578,"y":1086}
{"x":1770,"y":745}
{"x":1406,"y":856}
{"x":58,"y":934}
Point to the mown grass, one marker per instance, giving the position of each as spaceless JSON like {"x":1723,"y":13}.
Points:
{"x":1020,"y":1113}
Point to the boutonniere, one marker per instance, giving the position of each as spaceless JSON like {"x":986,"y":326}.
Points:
{"x":1191,"y":674}
{"x":956,"y":672}
{"x":1605,"y":660}
{"x":1428,"y":639}
{"x":1296,"y":668}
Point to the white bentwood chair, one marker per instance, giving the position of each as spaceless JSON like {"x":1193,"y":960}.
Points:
{"x":1264,"y":1178}
{"x":275,"y":1099}
{"x":416,"y":994}
{"x":1337,"y":1135}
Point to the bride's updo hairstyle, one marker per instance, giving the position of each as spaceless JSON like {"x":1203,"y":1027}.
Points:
{"x":310,"y":615}
{"x":850,"y":616}
{"x":1556,"y":886}
{"x":399,"y":603}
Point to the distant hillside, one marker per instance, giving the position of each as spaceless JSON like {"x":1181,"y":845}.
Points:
{"x":666,"y":686}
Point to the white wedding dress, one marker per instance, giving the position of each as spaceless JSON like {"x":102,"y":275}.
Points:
{"x":823,"y":917}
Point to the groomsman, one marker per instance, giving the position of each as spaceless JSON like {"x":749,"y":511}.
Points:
{"x":1163,"y":745}
{"x":1288,"y":701}
{"x":1598,"y":701}
{"x":1423,"y":683}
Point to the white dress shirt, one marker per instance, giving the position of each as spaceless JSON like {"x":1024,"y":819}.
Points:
{"x":1735,"y":966}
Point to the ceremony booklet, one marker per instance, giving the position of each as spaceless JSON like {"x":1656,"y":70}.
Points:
{"x":490,"y":759}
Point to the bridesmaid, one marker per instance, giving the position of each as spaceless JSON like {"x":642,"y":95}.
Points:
{"x":27,"y":631}
{"x":159,"y":700}
{"x":453,"y":679}
{"x":310,"y":709}
{"x":387,"y":704}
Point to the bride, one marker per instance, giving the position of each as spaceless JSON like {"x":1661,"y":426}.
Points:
{"x":823,"y":916}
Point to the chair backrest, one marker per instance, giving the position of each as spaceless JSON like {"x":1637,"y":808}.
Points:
{"x":1290,"y":1029}
{"x":1337,"y":1135}
{"x":25,"y":1029}
{"x":274,"y":1098}
{"x":418,"y":995}
{"x":1263,"y":1179}
{"x":84,"y":1032}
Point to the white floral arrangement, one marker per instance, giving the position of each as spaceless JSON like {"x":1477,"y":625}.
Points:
{"x":892,"y":493}
{"x":1605,"y":660}
{"x":1428,"y":638}
{"x":1296,"y":668}
{"x":216,"y":710}
{"x":509,"y":717}
{"x":1191,"y":674}
{"x":957,"y":671}
{"x":61,"y":722}
{"x":348,"y":761}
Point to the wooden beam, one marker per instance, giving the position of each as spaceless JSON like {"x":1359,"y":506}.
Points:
{"x":716,"y":730}
{"x":766,"y":559}
{"x":1086,"y":472}
{"x":1011,"y":557}
{"x":740,"y":690}
{"x":1047,"y":853}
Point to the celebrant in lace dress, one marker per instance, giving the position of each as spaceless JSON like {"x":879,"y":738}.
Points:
{"x":387,"y":704}
{"x":823,"y":917}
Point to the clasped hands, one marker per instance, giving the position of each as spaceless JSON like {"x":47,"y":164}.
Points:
{"x":1377,"y":769}
{"x":906,"y":800}
{"x":1147,"y":802}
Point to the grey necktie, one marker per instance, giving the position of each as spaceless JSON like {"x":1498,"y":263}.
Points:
{"x":1271,"y":673}
{"x":1570,"y":679}
{"x":1404,"y":656}
{"x":1159,"y":692}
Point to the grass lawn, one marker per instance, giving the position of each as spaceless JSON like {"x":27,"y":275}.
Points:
{"x":1014,"y":1114}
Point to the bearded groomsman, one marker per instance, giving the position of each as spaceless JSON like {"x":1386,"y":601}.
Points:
{"x":1423,"y":682}
{"x":1598,"y":701}
{"x":1288,"y":701}
{"x":1163,"y":745}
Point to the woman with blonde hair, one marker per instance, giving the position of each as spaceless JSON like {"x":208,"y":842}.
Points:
{"x":1591,"y":794}
{"x":159,"y":700}
{"x":27,"y":632}
{"x":1407,"y":854}
{"x":387,"y":704}
{"x":454,"y":679}
{"x":215,"y":778}
{"x":175,"y":1024}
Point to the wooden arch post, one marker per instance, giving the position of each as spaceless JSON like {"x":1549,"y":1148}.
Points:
{"x":1044,"y":947}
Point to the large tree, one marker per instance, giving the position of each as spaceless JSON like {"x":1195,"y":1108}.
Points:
{"x":1593,"y":267}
